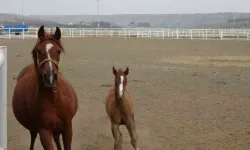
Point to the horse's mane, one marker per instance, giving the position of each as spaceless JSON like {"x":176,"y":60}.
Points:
{"x":47,"y":36}
{"x":120,"y":70}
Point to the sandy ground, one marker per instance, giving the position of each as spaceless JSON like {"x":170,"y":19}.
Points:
{"x":188,"y":94}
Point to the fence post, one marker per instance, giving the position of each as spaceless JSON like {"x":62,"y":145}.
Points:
{"x":137,"y":33}
{"x":163,"y":34}
{"x":3,"y":97}
{"x":72,"y":33}
{"x":177,"y":34}
{"x":9,"y":33}
{"x":125,"y":32}
{"x":247,"y":34}
{"x":206,"y":34}
{"x":221,"y":34}
{"x":191,"y":34}
{"x":23,"y":34}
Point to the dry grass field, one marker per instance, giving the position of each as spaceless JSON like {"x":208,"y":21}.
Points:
{"x":188,"y":94}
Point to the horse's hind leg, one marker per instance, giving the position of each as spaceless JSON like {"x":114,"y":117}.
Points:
{"x":56,"y":137}
{"x":132,"y":133}
{"x":116,"y":135}
{"x":33,"y":139}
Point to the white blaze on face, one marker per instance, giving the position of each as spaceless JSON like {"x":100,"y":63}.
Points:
{"x":121,"y":86}
{"x":48,"y":47}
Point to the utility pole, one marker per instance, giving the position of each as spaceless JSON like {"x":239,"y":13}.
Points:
{"x":22,"y":10}
{"x":98,"y":24}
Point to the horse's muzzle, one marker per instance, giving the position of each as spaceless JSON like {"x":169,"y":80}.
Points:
{"x":49,"y":80}
{"x":118,"y":95}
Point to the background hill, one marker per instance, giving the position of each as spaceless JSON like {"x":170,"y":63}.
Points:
{"x":209,"y":20}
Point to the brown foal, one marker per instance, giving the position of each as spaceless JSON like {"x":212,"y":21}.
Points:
{"x":119,"y":108}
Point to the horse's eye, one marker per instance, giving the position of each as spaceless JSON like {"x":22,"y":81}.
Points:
{"x":58,"y":52}
{"x":38,"y":52}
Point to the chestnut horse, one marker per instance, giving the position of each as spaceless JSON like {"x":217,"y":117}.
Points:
{"x":119,"y":108}
{"x":44,"y":102}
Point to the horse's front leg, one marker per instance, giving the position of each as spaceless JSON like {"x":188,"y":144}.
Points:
{"x":67,"y":135}
{"x":116,"y":134}
{"x":56,"y":137}
{"x":132,"y":133}
{"x":33,"y":139}
{"x":46,"y":139}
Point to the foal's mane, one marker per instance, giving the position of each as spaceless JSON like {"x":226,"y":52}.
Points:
{"x":120,"y":71}
{"x":47,"y":36}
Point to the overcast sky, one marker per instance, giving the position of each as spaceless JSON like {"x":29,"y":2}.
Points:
{"x":57,"y":7}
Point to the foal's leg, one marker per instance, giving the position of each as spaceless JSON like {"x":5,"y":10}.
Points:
{"x":46,"y":139}
{"x":132,"y":133}
{"x":67,"y":136}
{"x":120,"y":138}
{"x":116,"y":135}
{"x":56,"y":137}
{"x":33,"y":139}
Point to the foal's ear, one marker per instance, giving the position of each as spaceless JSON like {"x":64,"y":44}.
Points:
{"x":114,"y":71}
{"x":41,"y":32}
{"x":126,"y":71}
{"x":57,"y":34}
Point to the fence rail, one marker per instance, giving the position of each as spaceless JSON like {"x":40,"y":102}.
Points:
{"x":3,"y":97}
{"x":223,"y":34}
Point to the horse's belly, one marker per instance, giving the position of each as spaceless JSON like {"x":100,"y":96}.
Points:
{"x":24,"y":93}
{"x":22,"y":114}
{"x":52,"y":122}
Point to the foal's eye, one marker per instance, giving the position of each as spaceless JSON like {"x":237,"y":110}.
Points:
{"x":58,"y":52}
{"x":38,"y":52}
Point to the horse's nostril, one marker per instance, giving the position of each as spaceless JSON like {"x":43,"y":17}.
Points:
{"x":45,"y":77}
{"x":55,"y":76}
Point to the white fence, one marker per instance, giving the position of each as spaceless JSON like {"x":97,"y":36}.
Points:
{"x":3,"y":97}
{"x":223,"y":34}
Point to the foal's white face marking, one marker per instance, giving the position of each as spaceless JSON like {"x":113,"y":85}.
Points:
{"x":48,"y":47}
{"x":121,"y":86}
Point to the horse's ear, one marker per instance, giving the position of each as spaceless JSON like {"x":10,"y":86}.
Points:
{"x":41,"y":32}
{"x":57,"y":34}
{"x":114,"y":71}
{"x":126,"y":71}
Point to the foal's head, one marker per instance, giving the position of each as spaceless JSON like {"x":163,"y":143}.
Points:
{"x":120,"y":81}
{"x":46,"y":56}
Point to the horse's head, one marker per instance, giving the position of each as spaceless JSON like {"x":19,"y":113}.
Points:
{"x":46,"y":56}
{"x":120,"y":81}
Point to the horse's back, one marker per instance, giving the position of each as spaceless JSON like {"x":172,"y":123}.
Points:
{"x":26,"y":71}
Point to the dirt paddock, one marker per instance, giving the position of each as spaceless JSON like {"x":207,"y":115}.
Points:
{"x":188,"y":94}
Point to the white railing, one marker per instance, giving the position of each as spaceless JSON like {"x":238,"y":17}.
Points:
{"x":3,"y":97}
{"x":240,"y":34}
